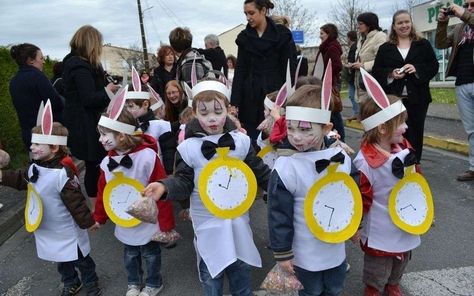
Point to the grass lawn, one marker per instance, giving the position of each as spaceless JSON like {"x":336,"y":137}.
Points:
{"x":439,"y":95}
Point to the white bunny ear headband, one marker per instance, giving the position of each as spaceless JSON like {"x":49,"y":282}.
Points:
{"x":377,"y":93}
{"x":45,"y":119}
{"x":287,"y":89}
{"x":113,"y":110}
{"x":222,"y":86}
{"x":315,"y":115}
{"x":137,"y":93}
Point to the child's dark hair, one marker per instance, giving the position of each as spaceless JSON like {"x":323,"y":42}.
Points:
{"x":128,"y":141}
{"x":22,"y":52}
{"x":180,"y":39}
{"x":307,"y":80}
{"x":369,"y":108}
{"x":138,"y":102}
{"x":260,"y":4}
{"x":57,"y":130}
{"x":272,"y":96}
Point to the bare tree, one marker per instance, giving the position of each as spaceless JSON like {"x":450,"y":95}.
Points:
{"x":300,"y":17}
{"x":133,"y":56}
{"x":344,"y":14}
{"x":404,"y":5}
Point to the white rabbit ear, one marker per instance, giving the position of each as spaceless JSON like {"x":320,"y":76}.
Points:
{"x":39,"y":117}
{"x":326,"y":90}
{"x":137,"y":85}
{"x":125,"y":78}
{"x":110,"y":94}
{"x":193,"y":72}
{"x":118,"y":104}
{"x":297,"y":70}
{"x":188,"y":91}
{"x":155,"y":97}
{"x":319,"y":67}
{"x":289,"y":88}
{"x":47,"y":119}
{"x":282,"y":95}
{"x":374,"y":89}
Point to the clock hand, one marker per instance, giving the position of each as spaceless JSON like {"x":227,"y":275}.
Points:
{"x":228,"y":182}
{"x":34,"y":206}
{"x":332,"y":212}
{"x":119,"y":202}
{"x":408,"y":206}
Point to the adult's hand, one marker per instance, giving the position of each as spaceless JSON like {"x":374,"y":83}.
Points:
{"x":113,"y":87}
{"x":410,"y":69}
{"x":357,"y":65}
{"x":396,"y":75}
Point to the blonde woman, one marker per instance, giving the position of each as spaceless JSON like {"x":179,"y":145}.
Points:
{"x":86,"y":99}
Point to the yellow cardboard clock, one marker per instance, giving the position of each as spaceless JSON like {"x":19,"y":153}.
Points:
{"x":33,"y":209}
{"x":227,"y":186}
{"x":410,"y":203}
{"x":119,"y":194}
{"x":269,"y":155}
{"x":333,"y":207}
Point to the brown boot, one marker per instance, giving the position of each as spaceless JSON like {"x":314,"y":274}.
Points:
{"x":393,"y":290}
{"x":371,"y":291}
{"x":467,"y":176}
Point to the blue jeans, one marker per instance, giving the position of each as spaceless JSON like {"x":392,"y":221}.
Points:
{"x":239,"y":280}
{"x":85,"y":265}
{"x":355,"y":105}
{"x":151,"y":252}
{"x":328,"y":282}
{"x":465,"y":96}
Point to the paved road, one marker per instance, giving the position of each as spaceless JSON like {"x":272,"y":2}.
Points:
{"x":442,"y":265}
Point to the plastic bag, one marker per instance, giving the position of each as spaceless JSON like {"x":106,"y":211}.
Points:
{"x":280,"y":281}
{"x":167,"y":237}
{"x":144,"y":209}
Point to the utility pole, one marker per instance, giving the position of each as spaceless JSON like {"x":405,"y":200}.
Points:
{"x":145,"y":52}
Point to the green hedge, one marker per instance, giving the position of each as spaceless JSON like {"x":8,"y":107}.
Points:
{"x":10,"y":134}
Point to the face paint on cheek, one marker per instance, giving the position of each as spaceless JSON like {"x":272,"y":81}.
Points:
{"x":304,"y":135}
{"x":108,"y":141}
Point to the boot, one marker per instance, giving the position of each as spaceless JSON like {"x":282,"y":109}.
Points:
{"x":371,"y":291}
{"x":392,"y":290}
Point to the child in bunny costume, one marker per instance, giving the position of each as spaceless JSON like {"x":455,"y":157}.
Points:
{"x":61,"y":235}
{"x":319,"y":266}
{"x":133,"y":155}
{"x":387,"y":247}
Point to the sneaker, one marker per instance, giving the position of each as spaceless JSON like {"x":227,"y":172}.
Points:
{"x":149,"y":291}
{"x":467,"y":176}
{"x":93,"y":290}
{"x":133,"y":290}
{"x":393,"y":290}
{"x":73,"y":290}
{"x":371,"y":291}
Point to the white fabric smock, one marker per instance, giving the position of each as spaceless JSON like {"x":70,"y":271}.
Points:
{"x":58,"y":236}
{"x":379,"y":231}
{"x":219,"y":242}
{"x":298,"y":174}
{"x":141,"y":170}
{"x":157,"y":128}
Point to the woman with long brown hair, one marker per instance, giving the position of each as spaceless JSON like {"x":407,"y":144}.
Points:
{"x":404,"y":67}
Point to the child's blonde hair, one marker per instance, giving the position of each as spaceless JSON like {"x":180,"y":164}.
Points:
{"x":186,"y":115}
{"x":127,"y":141}
{"x":57,"y":130}
{"x":369,"y":108}
{"x":209,"y":95}
{"x":306,"y":96}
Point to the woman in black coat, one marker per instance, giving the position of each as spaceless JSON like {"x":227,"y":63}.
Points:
{"x":86,"y":100}
{"x":263,"y":52}
{"x":29,"y":87}
{"x":404,"y":67}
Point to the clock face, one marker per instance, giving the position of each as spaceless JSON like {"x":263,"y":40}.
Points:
{"x":121,"y":197}
{"x":333,"y":207}
{"x":411,"y":205}
{"x":33,"y":209}
{"x":227,"y":187}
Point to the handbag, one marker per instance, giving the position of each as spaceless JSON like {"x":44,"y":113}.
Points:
{"x":336,"y":99}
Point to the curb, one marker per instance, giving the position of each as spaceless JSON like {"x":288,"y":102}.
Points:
{"x":428,"y":140}
{"x":11,"y":220}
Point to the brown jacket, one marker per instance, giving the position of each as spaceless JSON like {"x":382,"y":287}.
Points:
{"x":71,"y":194}
{"x":443,"y":40}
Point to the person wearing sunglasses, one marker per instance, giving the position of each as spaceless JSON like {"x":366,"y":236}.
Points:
{"x":461,"y":65}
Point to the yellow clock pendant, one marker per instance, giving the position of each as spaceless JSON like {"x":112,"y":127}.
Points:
{"x":33,"y":209}
{"x":227,"y":186}
{"x":333,"y":207}
{"x":119,"y":193}
{"x":410,"y":204}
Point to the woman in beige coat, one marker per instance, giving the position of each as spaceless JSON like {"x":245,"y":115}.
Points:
{"x":371,"y":37}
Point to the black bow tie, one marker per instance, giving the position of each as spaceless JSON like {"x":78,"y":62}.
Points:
{"x":35,"y":175}
{"x":398,"y":167}
{"x":322,"y":164}
{"x":208,"y":148}
{"x":144,"y":126}
{"x":126,"y":162}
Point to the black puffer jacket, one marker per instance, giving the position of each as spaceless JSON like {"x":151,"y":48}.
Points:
{"x":86,"y":100}
{"x":261,"y":68}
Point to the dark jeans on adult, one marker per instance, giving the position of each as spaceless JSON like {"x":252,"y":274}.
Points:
{"x":336,"y":119}
{"x":416,"y":124}
{"x":151,"y":253}
{"x":251,"y":129}
{"x":91,"y":177}
{"x":329,"y":282}
{"x":238,"y":274}
{"x":355,"y":104}
{"x":85,"y":265}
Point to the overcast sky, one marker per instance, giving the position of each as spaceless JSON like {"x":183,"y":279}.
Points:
{"x":50,"y":24}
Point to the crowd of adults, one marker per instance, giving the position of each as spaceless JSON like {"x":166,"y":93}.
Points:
{"x":403,"y":63}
